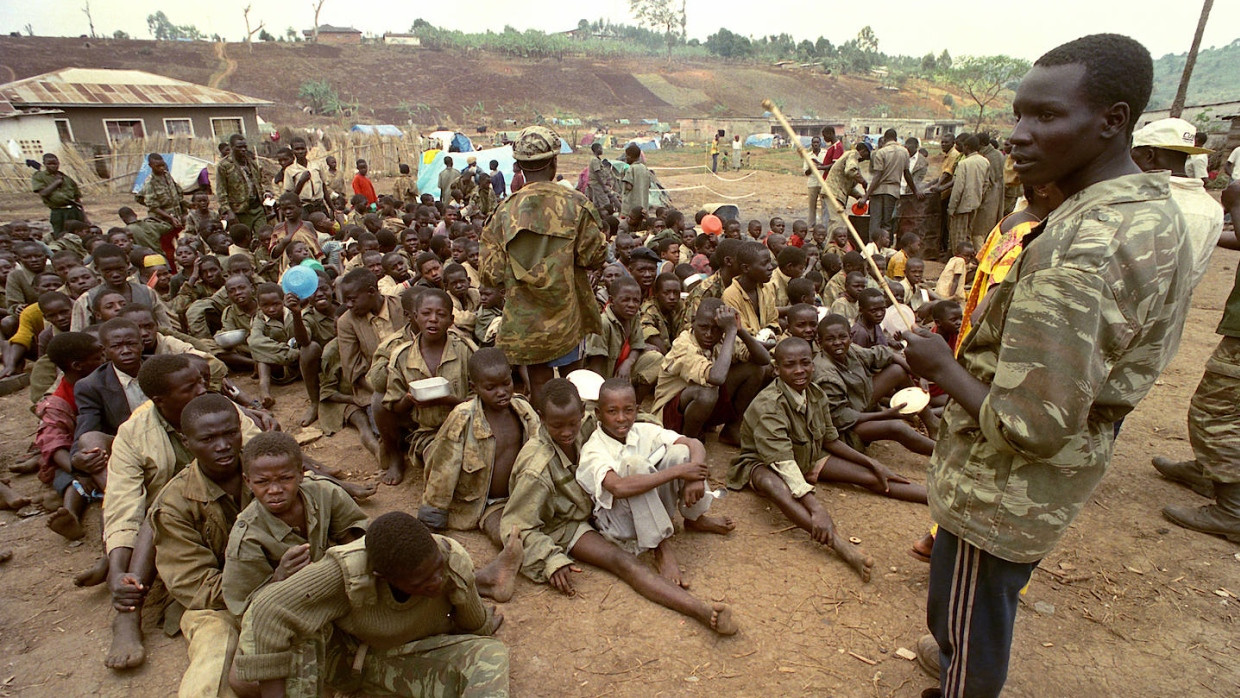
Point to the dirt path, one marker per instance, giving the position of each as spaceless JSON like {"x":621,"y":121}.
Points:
{"x":226,"y":71}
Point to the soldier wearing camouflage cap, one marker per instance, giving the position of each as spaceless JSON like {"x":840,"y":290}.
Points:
{"x":541,"y":244}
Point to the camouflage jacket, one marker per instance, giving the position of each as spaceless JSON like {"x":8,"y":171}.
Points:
{"x":540,"y":245}
{"x":1073,"y":338}
{"x":240,"y":187}
{"x":710,"y":287}
{"x":162,"y":192}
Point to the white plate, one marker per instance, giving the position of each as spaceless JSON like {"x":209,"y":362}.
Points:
{"x":587,"y":382}
{"x":911,"y":400}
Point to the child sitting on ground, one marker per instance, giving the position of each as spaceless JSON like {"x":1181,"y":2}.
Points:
{"x":283,"y":349}
{"x":659,"y":313}
{"x":709,"y":377}
{"x":916,"y":295}
{"x":433,"y":352}
{"x":955,"y":276}
{"x":619,"y":350}
{"x":238,"y":315}
{"x":490,"y":314}
{"x":879,"y":247}
{"x":849,"y":263}
{"x":788,"y":443}
{"x":792,"y":262}
{"x":803,"y":323}
{"x":847,"y":304}
{"x":802,"y":291}
{"x":840,"y":245}
{"x":465,"y":299}
{"x":430,"y":271}
{"x":469,"y":466}
{"x":551,"y":512}
{"x":910,"y":246}
{"x":868,"y":331}
{"x":395,"y":277}
{"x":855,"y":379}
{"x":639,"y":475}
{"x":291,"y":522}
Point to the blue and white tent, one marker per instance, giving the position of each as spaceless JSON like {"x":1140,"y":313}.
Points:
{"x":377,"y":129}
{"x":432,"y":165}
{"x":760,"y":140}
{"x":645,"y":143}
{"x":187,"y":170}
{"x":453,"y":141}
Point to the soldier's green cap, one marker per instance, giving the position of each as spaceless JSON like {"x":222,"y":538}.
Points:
{"x":536,"y":143}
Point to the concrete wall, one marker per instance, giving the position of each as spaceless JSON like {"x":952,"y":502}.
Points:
{"x":88,"y":122}
{"x":703,"y":130}
{"x":35,"y":135}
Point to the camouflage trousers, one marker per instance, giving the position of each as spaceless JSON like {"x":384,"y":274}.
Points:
{"x":1214,"y":414}
{"x":443,"y":666}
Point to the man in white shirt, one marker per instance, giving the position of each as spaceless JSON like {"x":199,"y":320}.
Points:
{"x":1198,"y":165}
{"x":1166,"y":144}
{"x":1232,"y":161}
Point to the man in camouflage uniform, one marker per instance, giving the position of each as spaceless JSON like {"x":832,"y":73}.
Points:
{"x":165,"y":204}
{"x":541,"y":244}
{"x":397,"y":613}
{"x":1070,"y":343}
{"x":600,"y":185}
{"x":240,"y":185}
{"x":59,"y":192}
{"x":1214,"y":421}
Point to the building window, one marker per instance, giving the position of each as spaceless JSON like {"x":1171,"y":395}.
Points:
{"x":124,"y":129}
{"x":31,"y":147}
{"x":223,"y":127}
{"x":65,"y":129}
{"x":179,"y":128}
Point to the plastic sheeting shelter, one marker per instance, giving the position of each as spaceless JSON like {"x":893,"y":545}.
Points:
{"x":377,"y":129}
{"x":760,"y":140}
{"x":645,"y":143}
{"x":187,"y":170}
{"x":454,"y":141}
{"x":432,"y":165}
{"x":564,"y":146}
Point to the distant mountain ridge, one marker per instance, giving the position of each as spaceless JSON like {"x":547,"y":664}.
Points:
{"x":1216,"y":77}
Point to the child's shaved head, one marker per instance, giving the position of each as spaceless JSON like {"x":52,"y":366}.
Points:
{"x":489,"y":361}
{"x":561,"y":395}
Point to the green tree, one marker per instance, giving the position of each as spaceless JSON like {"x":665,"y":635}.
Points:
{"x":984,"y":79}
{"x":948,"y":100}
{"x":118,"y":34}
{"x":928,"y":64}
{"x":163,"y":29}
{"x":321,"y":96}
{"x":264,"y":35}
{"x":867,"y":40}
{"x":291,"y":33}
{"x":726,"y":44}
{"x":665,"y":15}
{"x":945,"y":60}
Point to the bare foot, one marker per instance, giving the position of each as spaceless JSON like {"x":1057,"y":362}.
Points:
{"x":359,"y":490}
{"x":93,"y":576}
{"x":719,"y":525}
{"x":332,"y":471}
{"x":66,"y":524}
{"x":394,"y":474}
{"x":854,"y":556}
{"x":126,"y":651}
{"x":665,"y":562}
{"x":311,"y":415}
{"x":721,"y":620}
{"x":498,"y":579}
{"x":268,"y":402}
{"x":26,"y":466}
{"x":10,"y":499}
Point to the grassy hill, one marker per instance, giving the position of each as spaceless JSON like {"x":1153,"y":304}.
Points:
{"x":1216,"y":77}
{"x":465,"y":89}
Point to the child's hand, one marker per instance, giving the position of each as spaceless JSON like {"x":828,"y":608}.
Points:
{"x":726,"y":318}
{"x":884,"y":475}
{"x":127,"y":592}
{"x":927,"y":353}
{"x":693,"y":492}
{"x":562,"y":580}
{"x":293,"y":560}
{"x":292,"y":302}
{"x":90,"y":460}
{"x":822,"y":529}
{"x":692,"y":471}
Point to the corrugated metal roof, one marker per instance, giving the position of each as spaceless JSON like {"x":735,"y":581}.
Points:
{"x":97,"y":87}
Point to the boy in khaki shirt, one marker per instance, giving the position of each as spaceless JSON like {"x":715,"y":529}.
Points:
{"x":620,"y":349}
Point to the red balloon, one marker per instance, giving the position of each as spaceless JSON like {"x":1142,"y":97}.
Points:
{"x":711,"y":225}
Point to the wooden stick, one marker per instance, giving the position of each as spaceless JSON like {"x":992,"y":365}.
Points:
{"x":836,"y":208}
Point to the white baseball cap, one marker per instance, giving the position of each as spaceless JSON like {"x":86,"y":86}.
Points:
{"x":1169,"y":134}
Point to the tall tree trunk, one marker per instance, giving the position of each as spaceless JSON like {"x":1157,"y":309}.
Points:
{"x":1177,"y":106}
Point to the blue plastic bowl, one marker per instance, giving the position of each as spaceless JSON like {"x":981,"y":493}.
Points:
{"x":300,"y":281}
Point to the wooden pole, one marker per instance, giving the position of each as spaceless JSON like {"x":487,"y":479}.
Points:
{"x":1177,"y":106}
{"x":837,"y":208}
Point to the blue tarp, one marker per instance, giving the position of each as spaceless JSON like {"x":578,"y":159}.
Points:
{"x":432,"y":165}
{"x":378,"y":129}
{"x":645,"y":143}
{"x":564,"y":146}
{"x":187,"y":170}
{"x":760,"y":140}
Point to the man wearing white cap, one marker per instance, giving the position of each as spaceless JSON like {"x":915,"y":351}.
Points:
{"x":1165,"y":145}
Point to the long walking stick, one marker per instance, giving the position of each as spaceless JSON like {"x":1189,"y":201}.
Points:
{"x":837,"y":208}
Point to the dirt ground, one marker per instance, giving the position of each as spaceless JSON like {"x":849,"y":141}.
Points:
{"x":1127,"y":605}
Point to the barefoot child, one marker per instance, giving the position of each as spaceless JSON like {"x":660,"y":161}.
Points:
{"x":713,"y":371}
{"x":469,"y":465}
{"x":76,"y":354}
{"x":619,"y":349}
{"x":788,"y":443}
{"x":291,"y":522}
{"x":639,"y":475}
{"x":338,"y":405}
{"x":855,"y":379}
{"x":434,"y":352}
{"x":551,"y":512}
{"x":282,"y":348}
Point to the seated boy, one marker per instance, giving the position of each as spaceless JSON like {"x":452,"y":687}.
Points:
{"x":915,"y":292}
{"x":281,"y":346}
{"x":710,"y":375}
{"x":639,"y":475}
{"x":955,"y":275}
{"x":855,"y":379}
{"x":490,"y":314}
{"x":910,"y":246}
{"x":398,"y":612}
{"x":551,"y":512}
{"x":620,"y":350}
{"x":338,"y":405}
{"x":750,"y":292}
{"x":802,"y":290}
{"x":290,"y":523}
{"x":788,"y":443}
{"x":465,"y":299}
{"x":803,"y":323}
{"x":847,"y":303}
{"x":792,"y":262}
{"x":868,"y":331}
{"x":395,"y":277}
{"x":469,"y":465}
{"x":239,"y":314}
{"x":433,"y":352}
{"x":430,"y":270}
{"x":660,"y":313}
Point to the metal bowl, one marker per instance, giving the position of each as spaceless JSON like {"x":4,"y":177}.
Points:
{"x":231,"y":339}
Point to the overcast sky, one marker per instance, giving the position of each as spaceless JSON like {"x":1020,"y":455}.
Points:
{"x":912,"y":27}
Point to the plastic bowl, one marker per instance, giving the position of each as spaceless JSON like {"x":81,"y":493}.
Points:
{"x":231,"y":339}
{"x":859,"y":210}
{"x":587,"y":383}
{"x":429,"y":389}
{"x":910,"y":400}
{"x":300,"y":281}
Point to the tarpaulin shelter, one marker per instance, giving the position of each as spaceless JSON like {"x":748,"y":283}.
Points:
{"x":187,"y":170}
{"x":645,"y":143}
{"x":760,"y":140}
{"x":432,"y":165}
{"x":564,"y":146}
{"x":377,"y":129}
{"x":453,"y":141}
{"x":587,"y":139}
